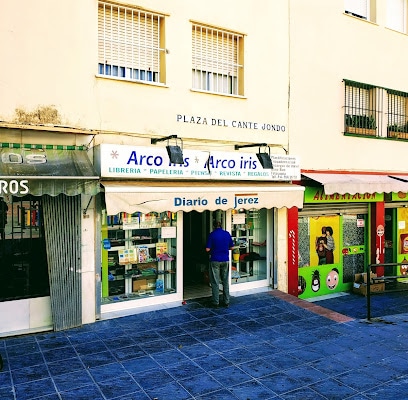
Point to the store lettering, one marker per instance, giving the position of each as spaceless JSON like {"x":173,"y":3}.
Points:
{"x":220,"y":163}
{"x":240,"y":201}
{"x":15,"y":158}
{"x":118,"y":170}
{"x":223,"y":163}
{"x":150,"y":160}
{"x":182,"y":201}
{"x":14,"y":187}
{"x":320,"y":196}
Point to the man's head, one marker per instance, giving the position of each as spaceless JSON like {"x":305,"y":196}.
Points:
{"x":217,"y":224}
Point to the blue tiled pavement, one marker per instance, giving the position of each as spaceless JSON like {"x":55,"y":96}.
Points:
{"x":261,"y":347}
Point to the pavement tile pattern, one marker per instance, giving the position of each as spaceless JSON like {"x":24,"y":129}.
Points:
{"x":264,"y":346}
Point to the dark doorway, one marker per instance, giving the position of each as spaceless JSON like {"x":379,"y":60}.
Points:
{"x":195,"y":266}
{"x":23,"y":260}
{"x":390,"y":242}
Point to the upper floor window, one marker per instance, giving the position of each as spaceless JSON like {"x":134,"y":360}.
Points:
{"x":397,"y":122}
{"x":358,"y":8}
{"x":397,"y":15}
{"x":130,"y":43}
{"x":360,"y":111}
{"x":375,"y":111}
{"x":217,"y":60}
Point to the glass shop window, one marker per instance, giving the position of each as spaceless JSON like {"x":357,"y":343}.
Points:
{"x":138,"y":255}
{"x":249,"y":255}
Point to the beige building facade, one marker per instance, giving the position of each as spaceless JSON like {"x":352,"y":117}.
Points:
{"x":96,"y":98}
{"x":348,"y":123}
{"x":111,"y":80}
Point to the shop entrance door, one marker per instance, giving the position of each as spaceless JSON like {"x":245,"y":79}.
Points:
{"x":196,"y":228}
{"x":23,"y":261}
{"x":390,"y":253}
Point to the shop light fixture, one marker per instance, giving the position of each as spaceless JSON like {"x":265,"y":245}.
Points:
{"x":264,"y":158}
{"x":175,"y":152}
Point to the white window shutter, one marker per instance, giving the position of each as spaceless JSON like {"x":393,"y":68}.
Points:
{"x":216,"y":59}
{"x":357,"y":100}
{"x":359,"y":8}
{"x":396,"y":15}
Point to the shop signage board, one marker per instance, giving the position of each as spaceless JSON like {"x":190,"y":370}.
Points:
{"x":316,"y":195}
{"x":138,"y":198}
{"x":135,"y":162}
{"x":400,"y":196}
{"x":38,"y":170}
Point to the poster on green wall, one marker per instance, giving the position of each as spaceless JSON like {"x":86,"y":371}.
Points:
{"x":320,"y":263}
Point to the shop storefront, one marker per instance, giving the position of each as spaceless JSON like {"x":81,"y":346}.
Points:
{"x":396,"y":232}
{"x":42,"y":192}
{"x":347,"y":222}
{"x":155,"y":218}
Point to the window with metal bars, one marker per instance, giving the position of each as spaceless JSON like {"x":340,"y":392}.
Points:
{"x":217,"y":61}
{"x":361,"y":114}
{"x":130,"y":43}
{"x":364,"y":112}
{"x":397,"y":122}
{"x":23,"y":259}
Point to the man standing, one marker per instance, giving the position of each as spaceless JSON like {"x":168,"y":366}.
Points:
{"x":219,"y":243}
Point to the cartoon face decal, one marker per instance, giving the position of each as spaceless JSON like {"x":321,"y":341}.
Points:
{"x":332,"y":279}
{"x":404,"y":269}
{"x":316,"y":281}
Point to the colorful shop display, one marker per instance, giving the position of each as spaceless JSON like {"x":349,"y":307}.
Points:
{"x":332,"y":244}
{"x":320,"y":258}
{"x":135,"y":258}
{"x":343,"y":222}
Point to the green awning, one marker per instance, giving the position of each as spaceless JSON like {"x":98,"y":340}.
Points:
{"x":38,"y":171}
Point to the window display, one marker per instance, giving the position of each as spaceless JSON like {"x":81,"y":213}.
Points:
{"x":138,"y":255}
{"x":249,"y":255}
{"x":331,"y":251}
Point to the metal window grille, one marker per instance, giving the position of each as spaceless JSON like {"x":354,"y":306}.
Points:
{"x":23,"y":261}
{"x":397,"y":122}
{"x":216,"y":64}
{"x":365,"y":112}
{"x":129,"y":43}
{"x":361,"y":113}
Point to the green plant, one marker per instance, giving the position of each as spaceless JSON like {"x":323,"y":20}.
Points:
{"x":398,"y":128}
{"x":360,"y":121}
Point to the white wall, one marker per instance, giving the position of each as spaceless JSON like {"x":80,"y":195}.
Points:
{"x":56,"y":66}
{"x":327,"y":46}
{"x":25,"y":316}
{"x":89,"y":279}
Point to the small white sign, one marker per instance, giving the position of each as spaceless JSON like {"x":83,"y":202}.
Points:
{"x":401,"y":224}
{"x":238,"y":218}
{"x":168,"y":232}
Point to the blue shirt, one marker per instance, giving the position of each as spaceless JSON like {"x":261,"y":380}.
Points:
{"x":219,"y":242}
